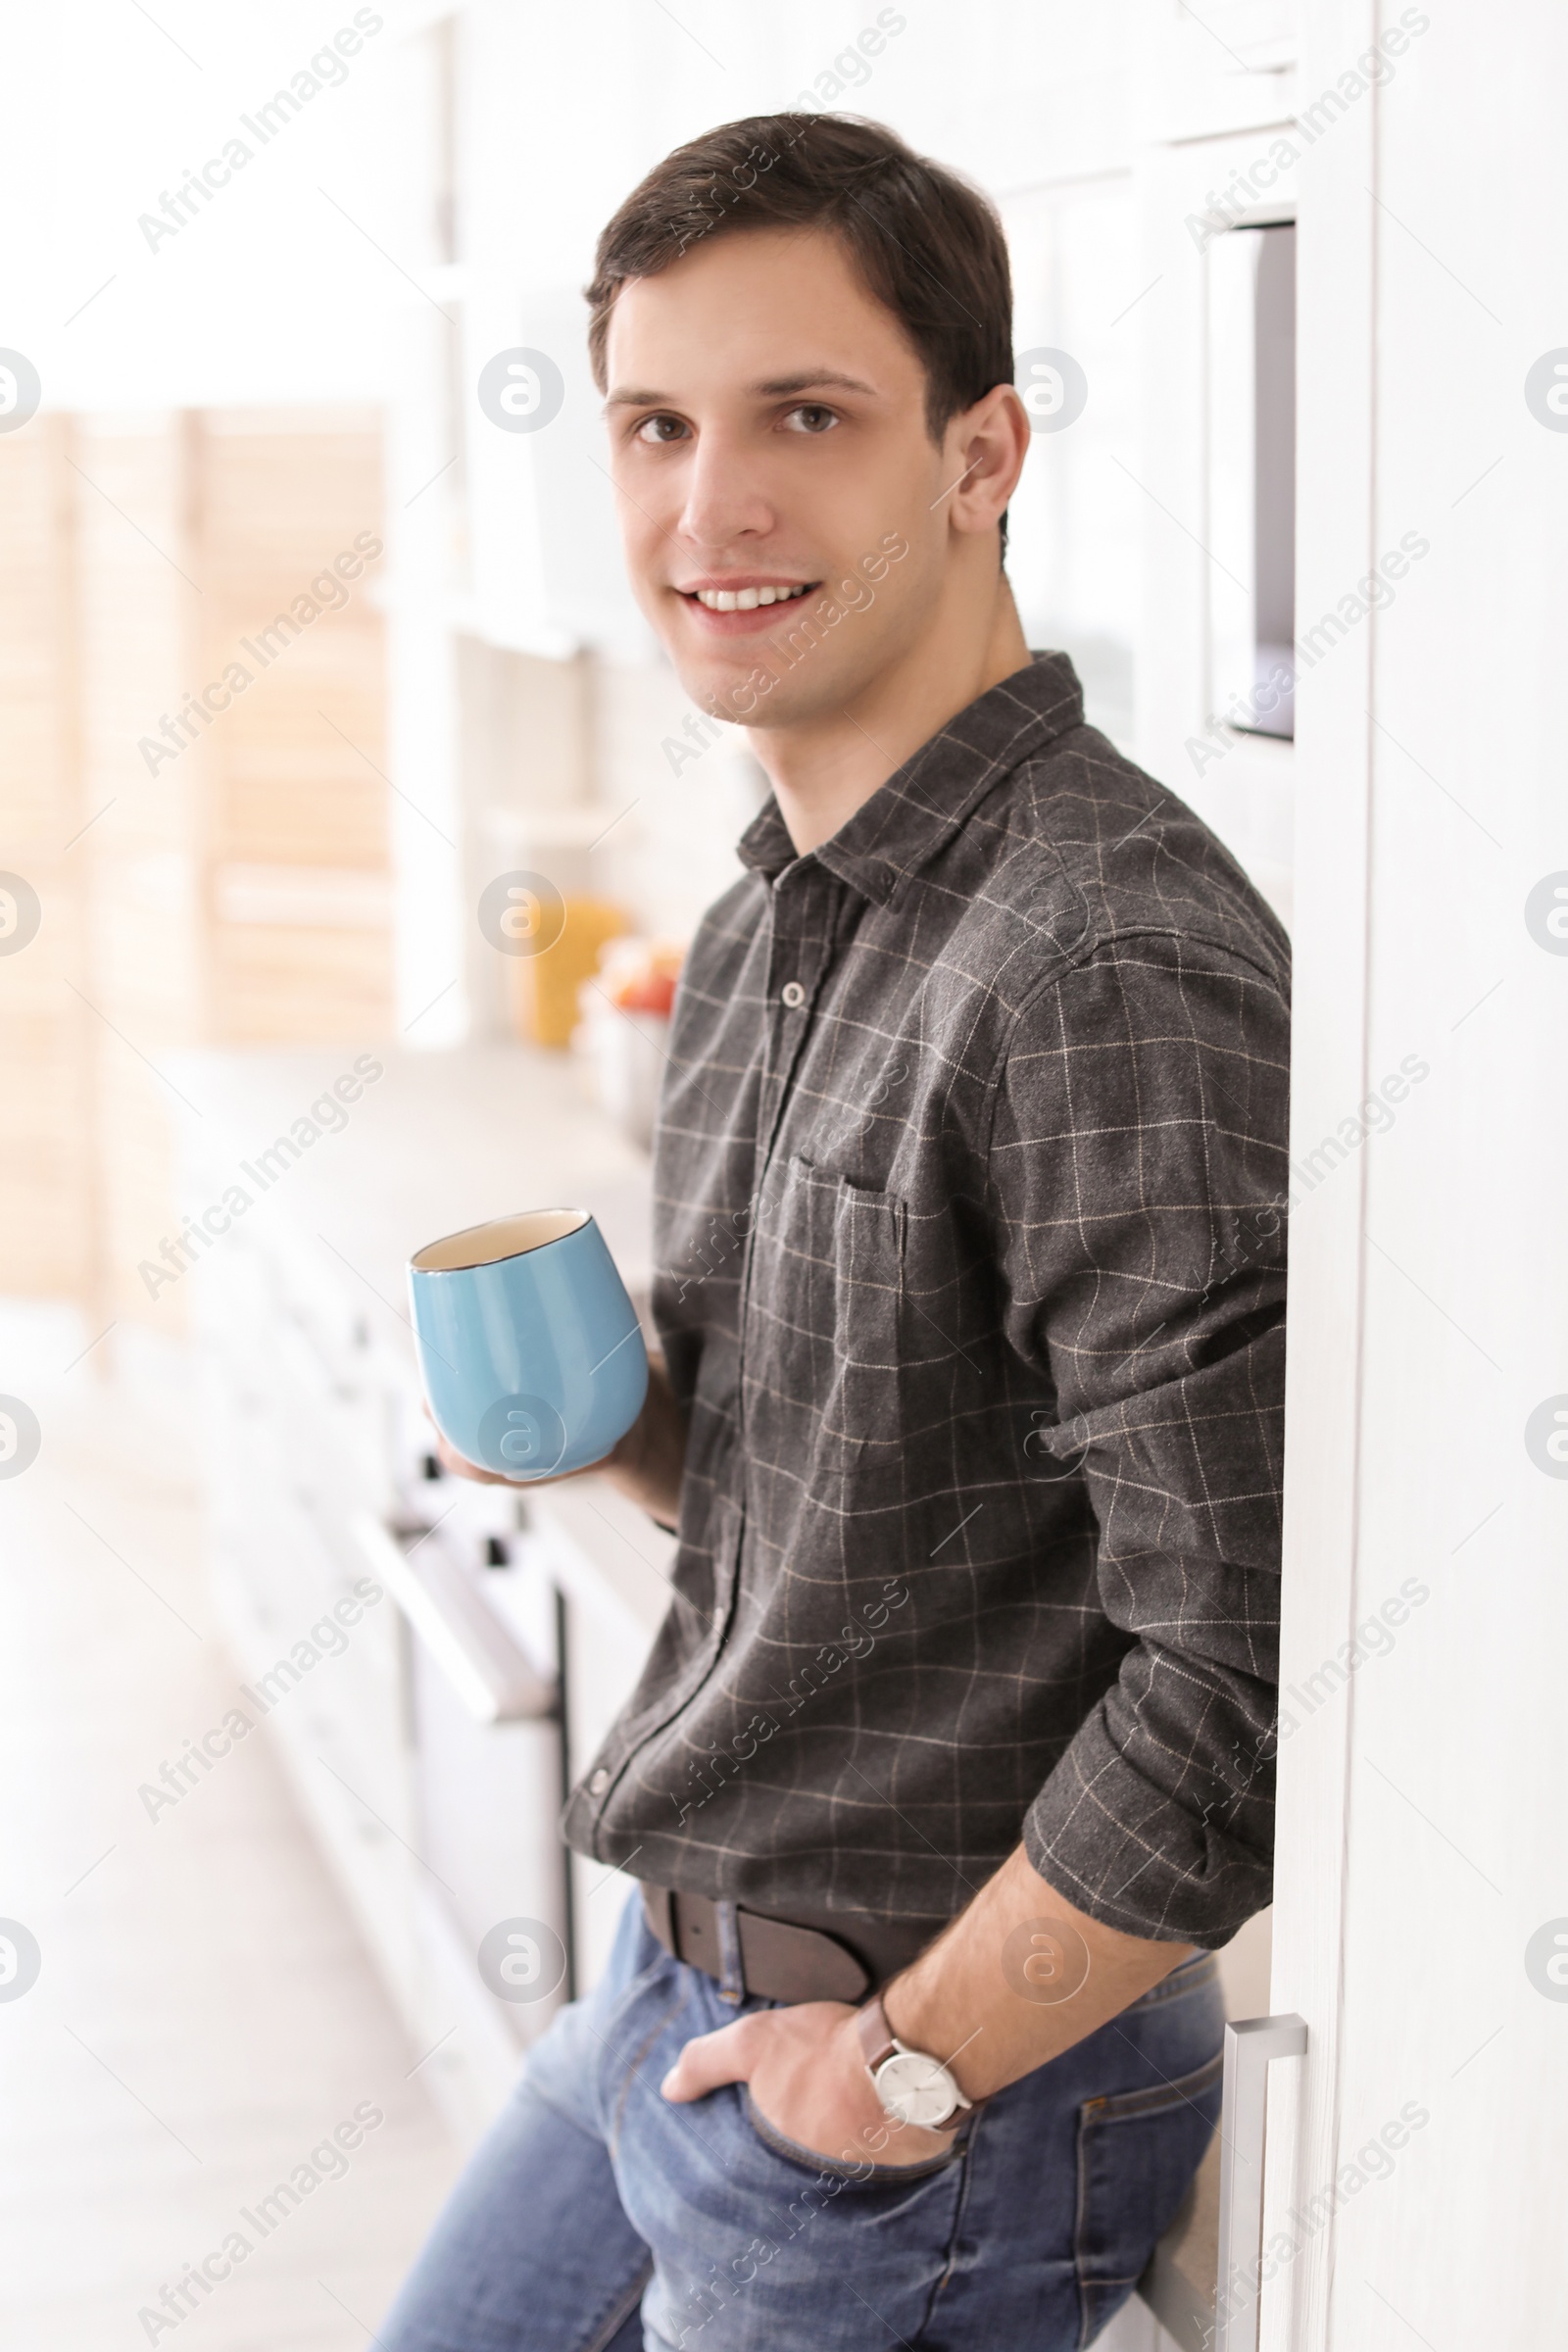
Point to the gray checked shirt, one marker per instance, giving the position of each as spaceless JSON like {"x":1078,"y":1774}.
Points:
{"x":971,"y":1278}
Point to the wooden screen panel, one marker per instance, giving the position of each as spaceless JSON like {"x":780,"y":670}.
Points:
{"x":46,"y":1051}
{"x":208,"y":875}
{"x":144,"y":961}
{"x":289,"y":530}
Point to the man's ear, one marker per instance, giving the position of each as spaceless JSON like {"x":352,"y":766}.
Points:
{"x":984,"y":449}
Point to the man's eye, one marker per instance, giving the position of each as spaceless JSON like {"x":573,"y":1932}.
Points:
{"x":660,"y":429}
{"x":811,"y":417}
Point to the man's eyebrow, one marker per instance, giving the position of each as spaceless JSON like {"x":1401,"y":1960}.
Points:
{"x":775,"y":387}
{"x":811,"y":380}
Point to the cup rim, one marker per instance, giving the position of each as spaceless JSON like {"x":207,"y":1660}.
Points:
{"x":505,"y":1233}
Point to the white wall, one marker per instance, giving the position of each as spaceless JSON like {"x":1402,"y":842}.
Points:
{"x":273,"y":291}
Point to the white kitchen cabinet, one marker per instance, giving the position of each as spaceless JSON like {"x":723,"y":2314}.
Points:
{"x":437,"y":1823}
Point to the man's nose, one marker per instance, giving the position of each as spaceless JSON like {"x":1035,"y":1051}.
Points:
{"x":725,"y":497}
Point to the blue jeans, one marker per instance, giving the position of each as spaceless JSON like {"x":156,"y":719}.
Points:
{"x":596,"y":2217}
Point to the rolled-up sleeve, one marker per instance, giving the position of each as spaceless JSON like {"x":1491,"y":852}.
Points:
{"x":1138,"y":1157}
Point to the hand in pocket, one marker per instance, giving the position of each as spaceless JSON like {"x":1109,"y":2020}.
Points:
{"x":808,"y":2081}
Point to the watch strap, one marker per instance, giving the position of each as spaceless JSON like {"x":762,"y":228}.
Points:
{"x":876,"y":2035}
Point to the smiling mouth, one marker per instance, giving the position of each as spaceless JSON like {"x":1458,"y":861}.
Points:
{"x":750,"y":598}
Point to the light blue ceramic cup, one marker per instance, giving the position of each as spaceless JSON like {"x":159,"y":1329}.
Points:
{"x":532,"y":1357}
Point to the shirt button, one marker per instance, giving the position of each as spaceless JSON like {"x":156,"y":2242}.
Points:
{"x":792,"y":994}
{"x":599,"y":1783}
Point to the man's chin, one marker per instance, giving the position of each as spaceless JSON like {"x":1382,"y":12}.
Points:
{"x":762,"y":693}
{"x":765,"y":686}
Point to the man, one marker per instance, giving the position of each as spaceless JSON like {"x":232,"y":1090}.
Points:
{"x":951,"y":1766}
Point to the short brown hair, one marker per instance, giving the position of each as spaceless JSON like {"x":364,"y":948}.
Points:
{"x":927,"y":245}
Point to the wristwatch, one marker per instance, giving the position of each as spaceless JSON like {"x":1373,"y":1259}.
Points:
{"x":913,"y":2087}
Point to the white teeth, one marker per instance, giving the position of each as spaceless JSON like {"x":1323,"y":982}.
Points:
{"x":745,"y":599}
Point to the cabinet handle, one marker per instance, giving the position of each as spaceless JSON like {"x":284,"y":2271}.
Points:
{"x":1251,"y":2048}
{"x":464,"y":1638}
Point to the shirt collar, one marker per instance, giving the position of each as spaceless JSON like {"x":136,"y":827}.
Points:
{"x":907,"y":820}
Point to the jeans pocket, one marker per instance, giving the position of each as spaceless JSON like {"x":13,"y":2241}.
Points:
{"x":864,"y":2173}
{"x":1137,"y":2152}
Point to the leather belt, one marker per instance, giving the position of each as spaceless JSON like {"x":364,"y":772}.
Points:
{"x":752,"y":1954}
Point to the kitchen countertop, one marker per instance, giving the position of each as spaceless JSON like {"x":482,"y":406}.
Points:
{"x":439,"y":1141}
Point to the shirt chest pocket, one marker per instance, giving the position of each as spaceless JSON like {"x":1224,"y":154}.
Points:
{"x":825,"y":1307}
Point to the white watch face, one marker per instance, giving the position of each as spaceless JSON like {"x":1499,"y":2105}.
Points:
{"x":916,"y":2089}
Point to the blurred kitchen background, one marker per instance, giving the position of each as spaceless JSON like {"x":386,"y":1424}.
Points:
{"x":320,"y":691}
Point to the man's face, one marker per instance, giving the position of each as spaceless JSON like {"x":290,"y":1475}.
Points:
{"x":769,"y":451}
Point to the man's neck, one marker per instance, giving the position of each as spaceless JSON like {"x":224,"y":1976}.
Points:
{"x":825,"y":768}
